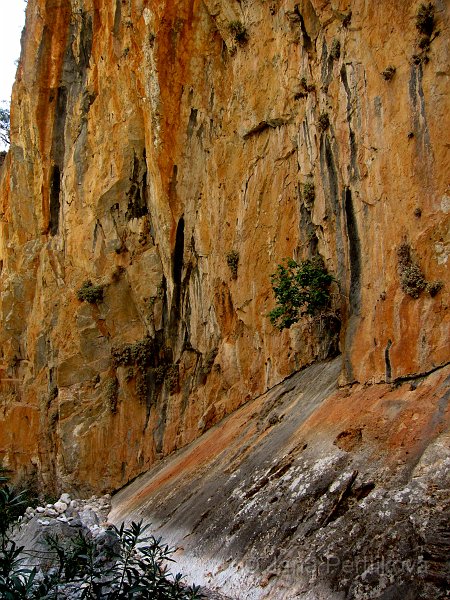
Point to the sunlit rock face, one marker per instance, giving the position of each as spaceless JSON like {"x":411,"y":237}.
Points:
{"x":152,"y":138}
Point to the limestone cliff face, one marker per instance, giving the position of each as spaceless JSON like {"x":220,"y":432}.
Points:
{"x":152,"y":138}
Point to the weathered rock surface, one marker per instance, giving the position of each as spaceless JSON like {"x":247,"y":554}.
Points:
{"x":147,"y":143}
{"x":312,"y":492}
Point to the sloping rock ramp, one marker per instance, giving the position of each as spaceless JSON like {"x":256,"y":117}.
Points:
{"x":313,"y":492}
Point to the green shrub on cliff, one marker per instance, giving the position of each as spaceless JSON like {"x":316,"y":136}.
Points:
{"x":4,"y":126}
{"x":91,"y":293}
{"x":300,"y":289}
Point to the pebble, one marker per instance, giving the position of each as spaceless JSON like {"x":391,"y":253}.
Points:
{"x":60,"y":506}
{"x":62,"y":518}
{"x":65,"y":498}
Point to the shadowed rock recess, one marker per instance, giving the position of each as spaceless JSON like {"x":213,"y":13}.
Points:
{"x":166,"y":156}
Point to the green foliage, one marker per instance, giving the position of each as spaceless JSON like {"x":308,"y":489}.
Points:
{"x":347,"y":19}
{"x":239,"y":31}
{"x":140,"y":353}
{"x":12,"y":506}
{"x":90,"y":293}
{"x":425,"y":24}
{"x":173,"y":378}
{"x":412,"y":280}
{"x":388,"y":73}
{"x":324,"y":121}
{"x":233,"y":262}
{"x":425,"y":21}
{"x":300,"y":289}
{"x":132,"y":566}
{"x":434,"y":287}
{"x":16,"y":583}
{"x":5,"y":126}
{"x":112,"y":394}
{"x":305,"y":89}
{"x":335,"y":51}
{"x":309,"y":192}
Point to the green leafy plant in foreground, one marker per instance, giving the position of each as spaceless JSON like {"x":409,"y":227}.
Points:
{"x":300,"y":289}
{"x":124,"y":563}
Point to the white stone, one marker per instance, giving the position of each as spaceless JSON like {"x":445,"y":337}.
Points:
{"x":65,"y":498}
{"x":40,"y":509}
{"x":60,"y":506}
{"x":50,"y":512}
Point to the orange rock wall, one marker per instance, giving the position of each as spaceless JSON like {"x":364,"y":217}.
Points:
{"x":147,"y":144}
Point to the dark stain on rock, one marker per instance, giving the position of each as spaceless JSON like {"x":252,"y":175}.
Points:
{"x":327,"y":65}
{"x":73,"y":79}
{"x":55,"y":191}
{"x":354,"y":252}
{"x":419,"y":118}
{"x":354,"y":172}
{"x":138,"y":192}
{"x":308,"y":231}
{"x":117,"y":18}
{"x":192,"y":122}
{"x":387,"y":361}
{"x":85,"y":46}
{"x":177,"y":271}
{"x":307,"y":44}
{"x":330,"y":182}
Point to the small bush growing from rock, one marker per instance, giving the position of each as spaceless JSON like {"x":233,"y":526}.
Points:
{"x":347,"y":19}
{"x":335,"y":51}
{"x":388,"y":73}
{"x":159,"y":374}
{"x":233,"y":262}
{"x":140,"y":353}
{"x":324,"y":121}
{"x":90,"y":293}
{"x":129,"y":374}
{"x":239,"y":31}
{"x":112,"y":394}
{"x":309,"y":192}
{"x":207,"y":364}
{"x":425,"y":24}
{"x":300,"y":289}
{"x":172,"y":378}
{"x":116,"y":275}
{"x":425,"y":21}
{"x":412,"y":280}
{"x":434,"y":287}
{"x":305,"y":89}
